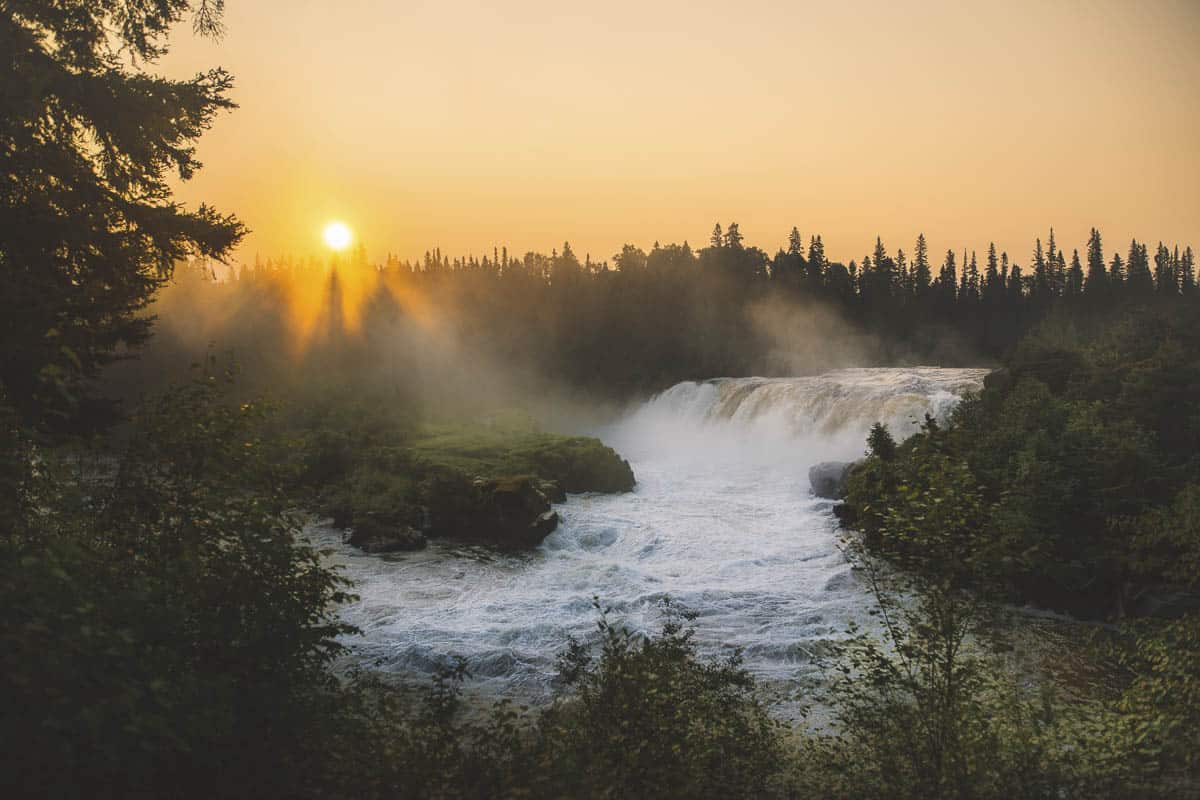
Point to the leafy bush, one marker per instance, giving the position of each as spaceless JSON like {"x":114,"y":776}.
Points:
{"x":649,"y":718}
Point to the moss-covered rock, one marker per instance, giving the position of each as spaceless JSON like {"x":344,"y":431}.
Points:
{"x":575,"y":463}
{"x":486,"y":483}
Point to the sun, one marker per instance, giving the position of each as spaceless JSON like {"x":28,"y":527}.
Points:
{"x":338,"y":236}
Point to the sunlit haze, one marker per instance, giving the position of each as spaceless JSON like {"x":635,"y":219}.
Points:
{"x":337,"y":236}
{"x":469,"y":126}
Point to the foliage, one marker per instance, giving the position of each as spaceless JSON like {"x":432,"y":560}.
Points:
{"x":649,"y":718}
{"x":1089,"y":428}
{"x":926,"y":704}
{"x":645,"y":717}
{"x":90,"y":231}
{"x":164,"y":631}
{"x":1069,"y":481}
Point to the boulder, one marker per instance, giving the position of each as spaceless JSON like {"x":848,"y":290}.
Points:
{"x":828,"y":479}
{"x":515,"y":513}
{"x":378,"y":536}
{"x":509,"y":513}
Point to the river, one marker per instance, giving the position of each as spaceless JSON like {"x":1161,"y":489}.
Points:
{"x":722,"y":521}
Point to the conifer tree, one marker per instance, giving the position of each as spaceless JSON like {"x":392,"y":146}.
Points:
{"x":1041,"y":274}
{"x":946,"y":279}
{"x":717,"y":240}
{"x":89,"y":230}
{"x":1138,"y":279}
{"x":1164,"y":272}
{"x":1097,"y":275}
{"x":973,"y":278}
{"x":817,"y":265}
{"x":1116,"y":272}
{"x":922,"y":275}
{"x":1059,"y":274}
{"x":1187,"y":272}
{"x":991,"y":278}
{"x":795,"y":243}
{"x":1073,"y":286}
{"x":1016,"y":284}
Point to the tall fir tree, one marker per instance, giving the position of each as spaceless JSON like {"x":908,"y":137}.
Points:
{"x":1165,"y":282}
{"x":1041,"y":274}
{"x":91,"y":141}
{"x":1058,"y":274}
{"x":922,"y":275}
{"x":1187,"y":272}
{"x":795,"y":243}
{"x":946,"y":290}
{"x":1016,"y":285}
{"x":1073,"y":284}
{"x":1139,"y":280}
{"x":992,"y":286}
{"x":1096,"y":284}
{"x":1116,"y":273}
{"x":817,"y":265}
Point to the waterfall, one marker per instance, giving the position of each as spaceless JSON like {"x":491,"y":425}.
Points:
{"x":812,"y":418}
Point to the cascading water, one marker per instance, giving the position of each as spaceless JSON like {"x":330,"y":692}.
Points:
{"x":722,"y":521}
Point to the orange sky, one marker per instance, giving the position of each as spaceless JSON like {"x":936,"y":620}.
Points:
{"x":524,"y":123}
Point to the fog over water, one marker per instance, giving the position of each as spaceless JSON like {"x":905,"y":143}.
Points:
{"x":722,"y":521}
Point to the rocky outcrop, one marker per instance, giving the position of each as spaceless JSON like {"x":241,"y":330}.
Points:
{"x":510,"y":513}
{"x":399,"y":496}
{"x":828,"y":479}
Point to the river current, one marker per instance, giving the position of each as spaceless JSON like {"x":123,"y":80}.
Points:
{"x":722,"y":521}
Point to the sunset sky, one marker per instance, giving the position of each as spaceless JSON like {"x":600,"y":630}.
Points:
{"x":524,"y":123}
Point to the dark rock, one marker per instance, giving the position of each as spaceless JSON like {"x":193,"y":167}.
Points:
{"x":552,"y":491}
{"x":545,"y":524}
{"x":343,"y":515}
{"x":828,"y":479}
{"x":998,"y":380}
{"x":519,"y":511}
{"x":510,"y":513}
{"x":377,"y":536}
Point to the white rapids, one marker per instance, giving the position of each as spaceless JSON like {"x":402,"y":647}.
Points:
{"x":722,"y":521}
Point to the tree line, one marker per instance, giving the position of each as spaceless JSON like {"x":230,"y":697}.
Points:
{"x":649,"y":319}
